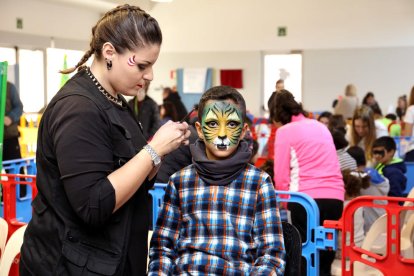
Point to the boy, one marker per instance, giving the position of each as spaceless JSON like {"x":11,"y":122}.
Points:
{"x":394,"y":169}
{"x":379,"y":186}
{"x":220,"y":214}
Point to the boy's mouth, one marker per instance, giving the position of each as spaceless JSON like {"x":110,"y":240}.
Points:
{"x":222,"y":147}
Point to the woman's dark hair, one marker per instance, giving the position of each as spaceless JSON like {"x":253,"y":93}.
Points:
{"x":339,"y":139}
{"x":222,"y":92}
{"x":337,"y":122}
{"x":126,"y":28}
{"x":325,"y":114}
{"x":283,"y":107}
{"x":354,"y":181}
{"x":170,"y":111}
{"x":358,"y":154}
{"x":368,"y":95}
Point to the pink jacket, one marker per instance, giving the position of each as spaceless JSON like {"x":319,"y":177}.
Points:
{"x":306,"y":160}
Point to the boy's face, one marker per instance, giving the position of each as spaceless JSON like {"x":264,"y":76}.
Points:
{"x":221,"y":128}
{"x":381,"y":155}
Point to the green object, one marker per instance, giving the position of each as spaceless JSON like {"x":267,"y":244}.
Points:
{"x":3,"y":91}
{"x":282,"y":31}
{"x":64,"y":78}
{"x":19,"y":23}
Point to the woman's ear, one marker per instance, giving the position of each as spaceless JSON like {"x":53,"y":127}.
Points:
{"x":199,"y":131}
{"x":108,"y":51}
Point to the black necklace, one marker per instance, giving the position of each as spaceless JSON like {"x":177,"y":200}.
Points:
{"x":102,"y":90}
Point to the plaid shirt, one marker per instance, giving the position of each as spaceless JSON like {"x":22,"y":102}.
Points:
{"x":233,"y":229}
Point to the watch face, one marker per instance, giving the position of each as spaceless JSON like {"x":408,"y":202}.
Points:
{"x":157,"y":161}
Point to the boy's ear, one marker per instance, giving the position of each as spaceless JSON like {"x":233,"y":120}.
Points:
{"x":245,"y":127}
{"x":199,"y":131}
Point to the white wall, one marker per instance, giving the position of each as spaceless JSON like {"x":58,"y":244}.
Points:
{"x":250,"y":62}
{"x":343,"y":41}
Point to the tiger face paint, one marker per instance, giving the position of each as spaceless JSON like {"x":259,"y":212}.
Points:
{"x":221,"y":128}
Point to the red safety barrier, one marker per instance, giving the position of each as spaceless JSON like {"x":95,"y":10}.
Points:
{"x":390,"y":263}
{"x":9,"y":182}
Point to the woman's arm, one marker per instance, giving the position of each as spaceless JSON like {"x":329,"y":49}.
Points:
{"x":83,"y":148}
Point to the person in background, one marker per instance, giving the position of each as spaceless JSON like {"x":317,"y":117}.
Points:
{"x":168,"y":113}
{"x":391,"y":167}
{"x":379,"y":186}
{"x":202,"y":228}
{"x":173,"y":97}
{"x":370,"y":101}
{"x":401,"y":107}
{"x":280,"y":85}
{"x":13,"y":112}
{"x":381,"y":122}
{"x":354,"y":182}
{"x":408,"y":127}
{"x":394,"y":127}
{"x":306,"y":161}
{"x":94,"y":165}
{"x":346,"y":162}
{"x":363,"y":130}
{"x":347,"y":105}
{"x":325,"y":117}
{"x":146,"y":111}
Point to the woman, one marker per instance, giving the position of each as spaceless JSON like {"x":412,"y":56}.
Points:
{"x":363,"y":130}
{"x":401,"y":107}
{"x":94,"y":167}
{"x":306,"y":161}
{"x":408,"y":127}
{"x":346,"y":105}
{"x":369,"y":100}
{"x":168,"y":112}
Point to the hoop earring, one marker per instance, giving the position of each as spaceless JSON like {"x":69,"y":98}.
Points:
{"x":108,"y":64}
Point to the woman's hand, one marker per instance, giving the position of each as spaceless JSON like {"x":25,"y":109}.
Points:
{"x":169,"y":137}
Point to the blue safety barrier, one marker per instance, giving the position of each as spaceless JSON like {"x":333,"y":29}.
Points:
{"x":402,"y":143}
{"x":319,"y":237}
{"x":157,"y":194}
{"x":23,"y":202}
{"x":410,"y":177}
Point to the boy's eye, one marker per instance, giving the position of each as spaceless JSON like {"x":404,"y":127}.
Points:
{"x":212,"y":124}
{"x":233,"y":124}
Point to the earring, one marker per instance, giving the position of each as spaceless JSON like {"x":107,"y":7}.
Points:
{"x":108,"y":64}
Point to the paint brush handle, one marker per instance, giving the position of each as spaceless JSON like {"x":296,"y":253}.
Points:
{"x":187,"y":116}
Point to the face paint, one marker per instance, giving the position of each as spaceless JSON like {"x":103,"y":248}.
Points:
{"x":222,"y":124}
{"x":131,"y":61}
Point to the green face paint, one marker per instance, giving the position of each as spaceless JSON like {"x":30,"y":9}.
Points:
{"x":222,"y":124}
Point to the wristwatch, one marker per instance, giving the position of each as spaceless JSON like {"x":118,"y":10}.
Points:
{"x":156,"y":159}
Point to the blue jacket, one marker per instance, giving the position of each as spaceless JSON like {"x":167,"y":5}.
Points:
{"x":395,"y":172}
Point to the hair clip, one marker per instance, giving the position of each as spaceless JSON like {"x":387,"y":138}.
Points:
{"x":358,"y":174}
{"x":131,"y":61}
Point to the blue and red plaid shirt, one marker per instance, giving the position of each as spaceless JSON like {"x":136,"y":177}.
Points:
{"x":233,"y":229}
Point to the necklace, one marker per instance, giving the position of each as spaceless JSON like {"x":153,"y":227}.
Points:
{"x":116,"y":101}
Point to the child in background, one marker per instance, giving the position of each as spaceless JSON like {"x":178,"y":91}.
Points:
{"x":379,"y":186}
{"x":391,"y":167}
{"x":354,"y":182}
{"x":220,"y":214}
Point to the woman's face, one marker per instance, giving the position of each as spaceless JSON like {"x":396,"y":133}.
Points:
{"x":131,"y":69}
{"x":401,"y":103}
{"x":361,"y":128}
{"x":370,"y":100}
{"x":324,"y":120}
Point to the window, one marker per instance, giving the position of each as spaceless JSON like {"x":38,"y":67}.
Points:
{"x":286,"y":67}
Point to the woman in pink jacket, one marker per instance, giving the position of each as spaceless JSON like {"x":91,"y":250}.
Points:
{"x":306,"y":161}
